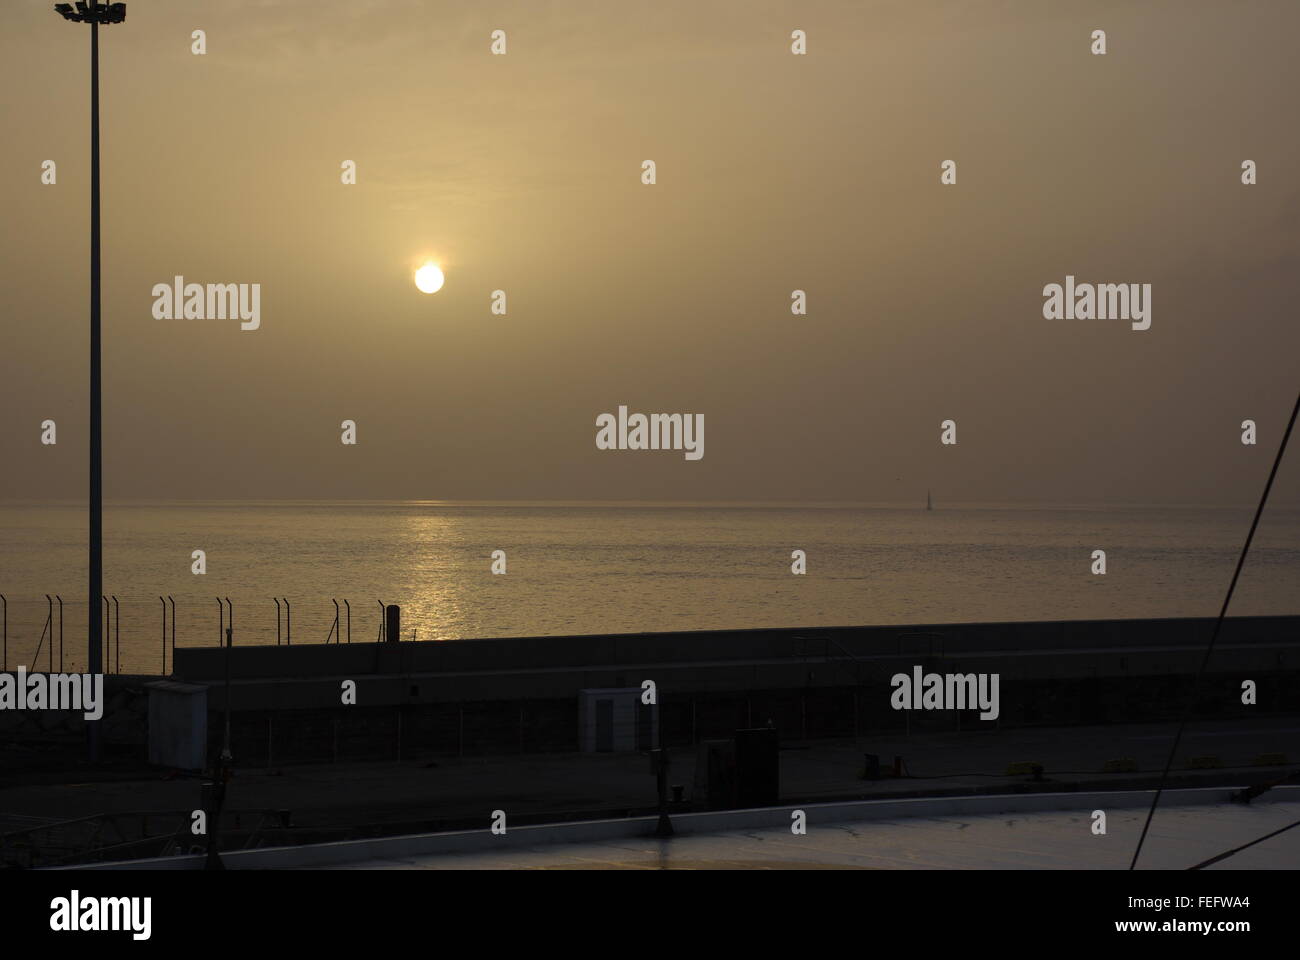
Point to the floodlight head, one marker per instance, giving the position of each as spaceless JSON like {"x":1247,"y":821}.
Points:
{"x":93,"y":12}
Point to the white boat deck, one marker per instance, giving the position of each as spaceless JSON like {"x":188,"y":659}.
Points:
{"x":1180,"y":836}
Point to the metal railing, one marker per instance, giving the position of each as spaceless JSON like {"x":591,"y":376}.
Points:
{"x":129,"y":625}
{"x":34,"y":633}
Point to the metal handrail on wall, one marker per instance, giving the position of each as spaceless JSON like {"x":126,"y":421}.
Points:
{"x":52,"y":630}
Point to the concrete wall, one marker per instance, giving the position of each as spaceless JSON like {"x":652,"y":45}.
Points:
{"x":125,"y":719}
{"x":531,"y":654}
{"x":413,"y":731}
{"x":442,"y":672}
{"x":521,"y":695}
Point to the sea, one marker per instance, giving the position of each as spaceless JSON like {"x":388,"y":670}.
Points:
{"x":607,"y":568}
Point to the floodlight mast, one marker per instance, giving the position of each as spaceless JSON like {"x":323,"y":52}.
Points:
{"x":94,"y":13}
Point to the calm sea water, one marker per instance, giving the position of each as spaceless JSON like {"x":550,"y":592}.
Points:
{"x":590,"y":569}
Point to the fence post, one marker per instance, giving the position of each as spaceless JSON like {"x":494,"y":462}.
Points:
{"x":117,"y":632}
{"x":49,"y":622}
{"x":230,"y":642}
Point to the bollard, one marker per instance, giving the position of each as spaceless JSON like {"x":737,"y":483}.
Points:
{"x":393,"y":623}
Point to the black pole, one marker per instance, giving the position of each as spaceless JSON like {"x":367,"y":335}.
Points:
{"x":221,"y":773}
{"x":664,"y":828}
{"x":96,"y":653}
{"x":230,"y":639}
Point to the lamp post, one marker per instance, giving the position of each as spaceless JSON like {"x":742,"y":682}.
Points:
{"x":94,"y":13}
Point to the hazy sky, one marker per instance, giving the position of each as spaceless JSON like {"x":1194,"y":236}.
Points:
{"x":775,"y":172}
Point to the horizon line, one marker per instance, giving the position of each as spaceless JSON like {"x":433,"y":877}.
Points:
{"x":918,"y":503}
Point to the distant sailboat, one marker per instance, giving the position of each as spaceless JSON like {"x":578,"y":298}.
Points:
{"x":929,"y":504}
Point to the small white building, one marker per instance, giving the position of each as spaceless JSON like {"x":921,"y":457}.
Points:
{"x":178,"y":724}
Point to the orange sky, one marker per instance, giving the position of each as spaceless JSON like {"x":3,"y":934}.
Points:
{"x":775,"y":173}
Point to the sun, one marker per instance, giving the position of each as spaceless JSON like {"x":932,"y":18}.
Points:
{"x":429,"y":278}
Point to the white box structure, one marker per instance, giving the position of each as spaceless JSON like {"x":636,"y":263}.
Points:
{"x":178,"y":724}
